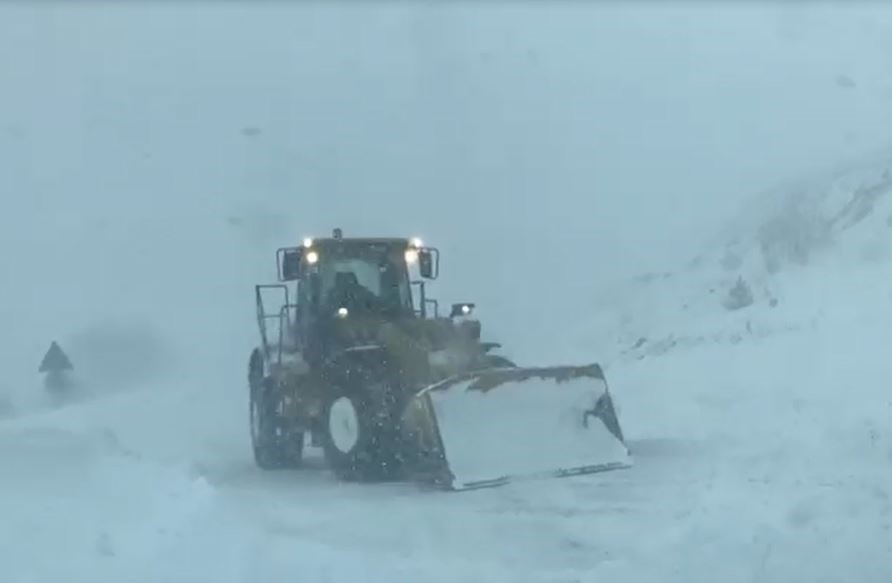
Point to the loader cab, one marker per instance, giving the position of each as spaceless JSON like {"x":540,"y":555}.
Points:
{"x":334,"y":283}
{"x":343,"y":278}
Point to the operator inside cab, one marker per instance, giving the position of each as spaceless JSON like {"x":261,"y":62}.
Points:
{"x":365,"y":284}
{"x":349,"y":294}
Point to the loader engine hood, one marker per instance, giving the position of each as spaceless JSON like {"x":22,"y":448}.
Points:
{"x":424,"y":350}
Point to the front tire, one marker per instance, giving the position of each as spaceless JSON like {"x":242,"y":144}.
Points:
{"x":360,"y":436}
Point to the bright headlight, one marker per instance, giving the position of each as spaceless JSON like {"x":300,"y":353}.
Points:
{"x":343,"y":312}
{"x":308,"y":242}
{"x":312,"y":257}
{"x":417,"y":242}
{"x":411,"y":256}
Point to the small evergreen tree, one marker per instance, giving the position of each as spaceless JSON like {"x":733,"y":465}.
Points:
{"x":739,"y":296}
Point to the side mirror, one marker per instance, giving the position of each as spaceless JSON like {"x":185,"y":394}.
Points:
{"x":463,"y":309}
{"x":289,"y":263}
{"x":428,"y":263}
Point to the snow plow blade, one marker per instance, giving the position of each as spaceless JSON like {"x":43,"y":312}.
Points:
{"x":491,"y":427}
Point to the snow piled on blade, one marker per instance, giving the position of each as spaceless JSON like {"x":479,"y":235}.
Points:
{"x":524,"y":428}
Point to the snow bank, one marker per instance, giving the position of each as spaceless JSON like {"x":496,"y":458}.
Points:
{"x":76,"y":506}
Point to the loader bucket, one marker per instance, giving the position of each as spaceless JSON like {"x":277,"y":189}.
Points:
{"x":495,"y":426}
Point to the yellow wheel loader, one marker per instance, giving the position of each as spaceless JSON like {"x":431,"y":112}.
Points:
{"x":357,"y":358}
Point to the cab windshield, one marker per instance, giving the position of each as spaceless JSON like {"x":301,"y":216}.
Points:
{"x":364,"y":278}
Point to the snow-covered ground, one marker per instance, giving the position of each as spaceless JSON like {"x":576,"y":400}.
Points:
{"x":152,"y":159}
{"x":761,"y":438}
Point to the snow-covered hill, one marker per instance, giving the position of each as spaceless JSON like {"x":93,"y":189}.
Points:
{"x":790,"y":256}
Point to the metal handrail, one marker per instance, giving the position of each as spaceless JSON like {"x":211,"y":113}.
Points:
{"x":262,"y":315}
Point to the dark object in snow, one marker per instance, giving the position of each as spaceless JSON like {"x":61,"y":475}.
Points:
{"x":845,"y":82}
{"x":55,"y":360}
{"x":739,"y":296}
{"x":56,"y":365}
{"x":638,"y":344}
{"x":793,"y":236}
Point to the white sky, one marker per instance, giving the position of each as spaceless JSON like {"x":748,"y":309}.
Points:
{"x":544,"y":147}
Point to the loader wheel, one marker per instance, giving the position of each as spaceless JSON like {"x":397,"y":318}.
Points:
{"x":360,"y":436}
{"x":276,"y":445}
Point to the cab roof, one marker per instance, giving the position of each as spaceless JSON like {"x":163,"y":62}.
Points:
{"x":327,"y":241}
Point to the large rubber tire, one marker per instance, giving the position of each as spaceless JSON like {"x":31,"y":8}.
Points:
{"x":275,"y":443}
{"x":361,"y":433}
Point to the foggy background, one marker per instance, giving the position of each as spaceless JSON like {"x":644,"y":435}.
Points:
{"x":152,"y":156}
